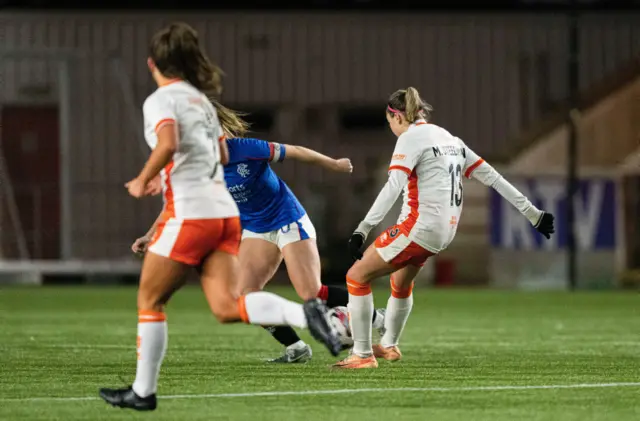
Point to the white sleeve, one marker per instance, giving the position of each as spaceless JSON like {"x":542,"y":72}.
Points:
{"x":158,"y":111}
{"x":476,"y":167}
{"x":385,"y":200}
{"x":405,"y":155}
{"x":405,"y":158}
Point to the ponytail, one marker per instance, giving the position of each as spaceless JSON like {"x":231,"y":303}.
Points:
{"x":413,"y":104}
{"x":230,"y":120}
{"x":408,"y":102}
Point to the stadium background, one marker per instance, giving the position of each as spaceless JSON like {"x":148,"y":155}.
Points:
{"x":71,"y":85}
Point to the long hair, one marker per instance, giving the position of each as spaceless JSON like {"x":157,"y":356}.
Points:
{"x":176,"y":52}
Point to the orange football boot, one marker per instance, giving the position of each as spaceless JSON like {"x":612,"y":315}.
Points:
{"x":354,"y":361}
{"x":391,"y":353}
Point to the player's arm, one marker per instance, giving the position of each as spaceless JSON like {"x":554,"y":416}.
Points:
{"x":402,"y":164}
{"x":384,"y":202}
{"x":140,"y":245}
{"x":244,"y":148}
{"x":160,"y":113}
{"x":309,"y":156}
{"x":224,"y":150}
{"x":163,"y":152}
{"x":479,"y":169}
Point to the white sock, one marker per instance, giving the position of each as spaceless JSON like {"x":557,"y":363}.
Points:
{"x":267,"y":309}
{"x":398,"y":310}
{"x":360,"y":315}
{"x":298,"y":345}
{"x":378,"y":321}
{"x":152,"y":344}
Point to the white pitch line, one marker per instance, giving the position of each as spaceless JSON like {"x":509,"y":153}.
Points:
{"x":84,"y":346}
{"x":348,"y":391}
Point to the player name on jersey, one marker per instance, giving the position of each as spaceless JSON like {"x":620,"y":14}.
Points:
{"x":448,"y":150}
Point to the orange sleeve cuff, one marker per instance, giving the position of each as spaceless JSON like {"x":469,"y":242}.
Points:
{"x":472,"y":168}
{"x":164,"y":122}
{"x":401,"y":168}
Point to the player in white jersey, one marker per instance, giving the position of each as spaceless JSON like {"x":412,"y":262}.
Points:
{"x":200,"y":225}
{"x":428,"y":163}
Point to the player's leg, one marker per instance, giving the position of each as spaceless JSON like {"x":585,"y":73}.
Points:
{"x":259,"y":259}
{"x":361,"y":307}
{"x":219,"y":272}
{"x":300,"y":251}
{"x":399,"y":307}
{"x":298,"y":244}
{"x":159,"y":279}
{"x":392,"y":251}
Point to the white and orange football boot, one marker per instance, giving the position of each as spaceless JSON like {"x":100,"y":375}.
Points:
{"x":354,"y":361}
{"x":391,"y":353}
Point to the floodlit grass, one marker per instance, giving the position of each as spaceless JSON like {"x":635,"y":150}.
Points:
{"x":458,"y":345}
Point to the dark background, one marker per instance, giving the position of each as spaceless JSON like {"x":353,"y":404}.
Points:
{"x":359,"y":5}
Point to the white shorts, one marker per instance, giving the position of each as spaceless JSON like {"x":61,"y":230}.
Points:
{"x":300,"y":230}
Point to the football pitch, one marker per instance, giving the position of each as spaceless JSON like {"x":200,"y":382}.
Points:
{"x":468,"y":355}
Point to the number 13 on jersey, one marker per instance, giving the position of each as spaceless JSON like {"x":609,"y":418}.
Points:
{"x":455,"y":172}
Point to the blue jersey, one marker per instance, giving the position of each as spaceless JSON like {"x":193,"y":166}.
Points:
{"x":266,"y":203}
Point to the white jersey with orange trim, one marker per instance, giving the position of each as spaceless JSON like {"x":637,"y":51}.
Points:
{"x":193,"y":182}
{"x":428,"y":164}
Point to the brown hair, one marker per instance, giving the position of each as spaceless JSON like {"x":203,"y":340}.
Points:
{"x":176,"y":52}
{"x":408,"y":102}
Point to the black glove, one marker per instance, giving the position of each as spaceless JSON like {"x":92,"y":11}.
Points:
{"x":545,"y":225}
{"x":355,"y":245}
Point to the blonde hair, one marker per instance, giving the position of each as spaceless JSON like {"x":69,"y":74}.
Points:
{"x":230,"y":120}
{"x":409,"y":104}
{"x":176,"y":52}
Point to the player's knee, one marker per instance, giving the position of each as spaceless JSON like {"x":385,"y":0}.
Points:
{"x":151,"y":300}
{"x":356,"y":275}
{"x":357,"y":285}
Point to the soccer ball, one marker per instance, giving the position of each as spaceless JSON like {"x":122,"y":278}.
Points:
{"x":339,"y":319}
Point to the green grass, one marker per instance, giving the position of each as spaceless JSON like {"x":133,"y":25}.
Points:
{"x":68,"y":342}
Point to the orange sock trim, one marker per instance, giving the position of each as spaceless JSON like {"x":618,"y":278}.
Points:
{"x":397,"y":292}
{"x":242,"y":309}
{"x":148,"y":316}
{"x":358,"y":289}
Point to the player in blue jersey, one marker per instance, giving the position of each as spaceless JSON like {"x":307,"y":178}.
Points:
{"x":275,"y":227}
